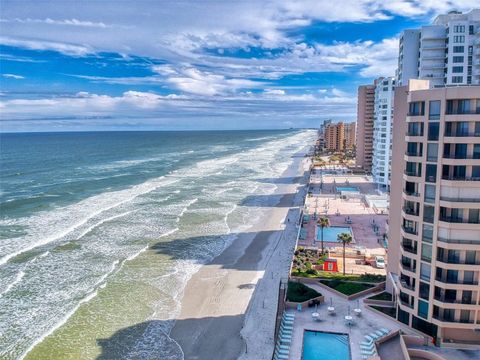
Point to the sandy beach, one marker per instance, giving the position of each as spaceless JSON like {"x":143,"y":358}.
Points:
{"x":229,"y":305}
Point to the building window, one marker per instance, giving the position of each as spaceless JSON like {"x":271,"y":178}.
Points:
{"x":427,"y":234}
{"x":459,"y":39}
{"x":434,"y":110}
{"x":431,"y":173}
{"x":432,"y":151}
{"x":459,"y":49}
{"x":464,"y":316}
{"x":425,"y":271}
{"x":423,"y":309}
{"x":428,"y":213}
{"x":458,"y":59}
{"x":430,"y":193}
{"x":417,"y":108}
{"x":424,"y":290}
{"x":433,"y":131}
{"x":457,"y":69}
{"x":459,"y":28}
{"x":427,"y":252}
{"x":457,"y":79}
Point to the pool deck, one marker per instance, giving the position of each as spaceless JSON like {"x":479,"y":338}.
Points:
{"x":324,"y":201}
{"x":368,"y":322}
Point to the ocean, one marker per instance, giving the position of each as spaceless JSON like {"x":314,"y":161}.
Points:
{"x":100,"y":231}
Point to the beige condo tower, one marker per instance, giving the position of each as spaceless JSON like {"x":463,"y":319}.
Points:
{"x":434,"y":221}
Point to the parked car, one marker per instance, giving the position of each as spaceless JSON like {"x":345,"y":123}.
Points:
{"x":380,"y":262}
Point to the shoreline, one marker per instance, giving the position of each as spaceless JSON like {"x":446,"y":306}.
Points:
{"x":223,"y":301}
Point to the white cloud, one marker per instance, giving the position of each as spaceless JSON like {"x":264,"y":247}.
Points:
{"x":194,"y":81}
{"x":13,"y":76}
{"x":48,"y":21}
{"x":274,"y":92}
{"x":68,"y":49}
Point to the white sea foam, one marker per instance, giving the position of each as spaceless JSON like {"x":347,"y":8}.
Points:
{"x":64,"y":221}
{"x":10,"y":286}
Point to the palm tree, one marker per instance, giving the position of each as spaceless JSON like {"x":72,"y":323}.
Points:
{"x":323,"y":223}
{"x":345,"y":239}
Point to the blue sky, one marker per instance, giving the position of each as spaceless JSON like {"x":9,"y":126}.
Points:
{"x":102,"y":65}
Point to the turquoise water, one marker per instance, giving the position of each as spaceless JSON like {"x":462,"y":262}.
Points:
{"x":330,"y":234}
{"x":347,"y":189}
{"x":325,"y":346}
{"x":100,"y":231}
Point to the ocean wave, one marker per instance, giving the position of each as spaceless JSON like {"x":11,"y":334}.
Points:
{"x":10,"y":286}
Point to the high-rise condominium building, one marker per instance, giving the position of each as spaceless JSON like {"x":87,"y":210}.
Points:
{"x":446,"y":52}
{"x":339,"y":136}
{"x":350,"y":132}
{"x":434,"y":224}
{"x":364,"y":136}
{"x":382,"y":130}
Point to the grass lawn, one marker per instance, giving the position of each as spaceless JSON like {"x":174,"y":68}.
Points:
{"x":390,"y":311}
{"x":346,"y":287}
{"x":372,"y":278}
{"x":382,"y":296}
{"x":297,"y":292}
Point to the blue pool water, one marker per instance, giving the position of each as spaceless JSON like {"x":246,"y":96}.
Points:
{"x":347,"y":189}
{"x":325,"y":346}
{"x":331,"y":233}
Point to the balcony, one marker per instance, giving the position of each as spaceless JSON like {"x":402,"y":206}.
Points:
{"x":447,"y":300}
{"x":406,"y":285}
{"x":461,"y":156}
{"x":450,"y":319}
{"x":458,"y":220}
{"x":463,"y":112}
{"x":410,"y":193}
{"x":455,"y":281}
{"x":408,"y":267}
{"x":414,"y":133}
{"x":409,"y":230}
{"x":410,"y":211}
{"x":460,"y":199}
{"x":412,"y":173}
{"x":409,"y":248}
{"x":413,"y":153}
{"x":405,"y":303}
{"x":460,"y":178}
{"x":462,"y":134}
{"x":456,"y":261}
{"x":459,"y":241}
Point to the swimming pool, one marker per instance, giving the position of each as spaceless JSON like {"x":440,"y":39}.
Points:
{"x":325,"y":346}
{"x":347,"y":189}
{"x":330,"y":234}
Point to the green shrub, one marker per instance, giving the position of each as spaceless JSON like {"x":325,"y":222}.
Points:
{"x":297,"y":292}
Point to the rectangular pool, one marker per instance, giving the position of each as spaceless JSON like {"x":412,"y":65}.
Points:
{"x":347,"y":189}
{"x":330,"y":234}
{"x":319,"y":345}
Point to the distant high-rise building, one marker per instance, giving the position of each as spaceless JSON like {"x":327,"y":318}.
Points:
{"x":434,"y":217}
{"x":382,"y":130}
{"x":446,"y":52}
{"x":339,"y":136}
{"x":349,"y":129}
{"x":364,"y":136}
